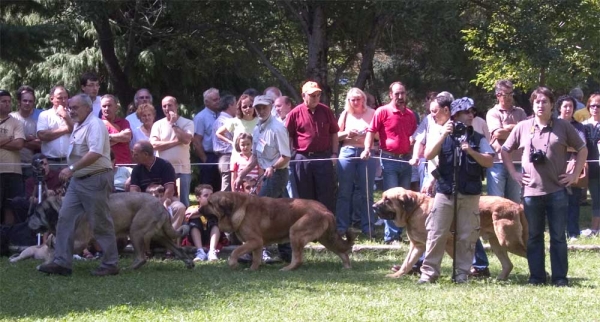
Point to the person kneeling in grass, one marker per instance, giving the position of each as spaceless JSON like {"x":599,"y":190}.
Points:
{"x":203,"y":230}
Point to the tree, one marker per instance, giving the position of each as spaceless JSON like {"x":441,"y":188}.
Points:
{"x":552,"y":43}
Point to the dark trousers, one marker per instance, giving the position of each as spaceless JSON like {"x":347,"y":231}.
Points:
{"x":209,"y":174}
{"x":314,"y":179}
{"x":274,"y":187}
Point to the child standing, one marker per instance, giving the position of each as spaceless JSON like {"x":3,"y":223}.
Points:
{"x":203,"y":230}
{"x":243,"y":145}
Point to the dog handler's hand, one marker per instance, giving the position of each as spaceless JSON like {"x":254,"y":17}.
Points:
{"x":269,"y":172}
{"x":237,"y":184}
{"x":65,"y":174}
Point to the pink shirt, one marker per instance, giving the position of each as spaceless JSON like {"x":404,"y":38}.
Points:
{"x":394,"y":128}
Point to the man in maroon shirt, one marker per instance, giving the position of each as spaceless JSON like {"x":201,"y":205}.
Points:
{"x":394,"y":123}
{"x":119,"y":131}
{"x":313,"y":135}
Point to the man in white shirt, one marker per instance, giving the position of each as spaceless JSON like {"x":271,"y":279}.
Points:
{"x":171,"y":137}
{"x":54,"y":127}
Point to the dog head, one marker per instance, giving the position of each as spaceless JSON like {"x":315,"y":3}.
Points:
{"x":228,"y":208}
{"x":45,"y":215}
{"x":396,"y":204}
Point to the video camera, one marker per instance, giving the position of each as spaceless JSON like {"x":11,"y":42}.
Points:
{"x":459,"y":130}
{"x":38,"y":166}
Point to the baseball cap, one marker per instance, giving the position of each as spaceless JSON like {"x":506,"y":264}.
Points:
{"x":461,"y":104}
{"x":310,"y":87}
{"x":263,"y":100}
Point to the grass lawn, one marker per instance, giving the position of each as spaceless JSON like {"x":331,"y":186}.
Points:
{"x":319,"y":291}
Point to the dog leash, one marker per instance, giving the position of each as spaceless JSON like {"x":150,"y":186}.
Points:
{"x":258,"y":179}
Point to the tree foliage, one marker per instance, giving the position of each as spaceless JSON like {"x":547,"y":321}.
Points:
{"x":181,"y":48}
{"x":554,"y":43}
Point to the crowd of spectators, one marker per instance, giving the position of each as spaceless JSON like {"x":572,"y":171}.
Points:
{"x":304,"y":152}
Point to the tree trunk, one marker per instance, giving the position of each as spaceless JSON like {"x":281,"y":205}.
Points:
{"x":542,"y":79}
{"x":316,"y":69}
{"x":120,"y":80}
{"x":368,"y":51}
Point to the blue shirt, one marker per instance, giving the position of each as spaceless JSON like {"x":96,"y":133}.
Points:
{"x":203,"y":125}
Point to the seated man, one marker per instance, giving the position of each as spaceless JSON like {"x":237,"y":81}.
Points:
{"x":153,"y":170}
{"x":203,"y":230}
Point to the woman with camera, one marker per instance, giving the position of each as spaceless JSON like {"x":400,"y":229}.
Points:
{"x":544,"y":141}
{"x":353,"y":123}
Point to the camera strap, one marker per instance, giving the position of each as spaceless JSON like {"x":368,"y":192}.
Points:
{"x":531,"y":147}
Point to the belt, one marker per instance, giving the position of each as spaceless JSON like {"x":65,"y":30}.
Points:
{"x":395,"y":155}
{"x":315,"y":154}
{"x":57,"y":159}
{"x":93,"y":174}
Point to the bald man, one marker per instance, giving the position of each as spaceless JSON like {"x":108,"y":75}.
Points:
{"x":171,"y":137}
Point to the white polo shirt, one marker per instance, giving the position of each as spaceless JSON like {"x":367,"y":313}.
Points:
{"x":49,"y":120}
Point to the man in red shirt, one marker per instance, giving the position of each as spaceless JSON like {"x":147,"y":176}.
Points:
{"x":394,"y":123}
{"x":119,"y":131}
{"x":313,"y":134}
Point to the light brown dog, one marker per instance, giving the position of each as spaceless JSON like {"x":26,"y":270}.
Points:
{"x":138,"y":215}
{"x":36,"y":252}
{"x":262,"y":221}
{"x":502,"y":222}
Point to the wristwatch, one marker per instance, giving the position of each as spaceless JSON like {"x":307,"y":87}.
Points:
{"x":72,"y":168}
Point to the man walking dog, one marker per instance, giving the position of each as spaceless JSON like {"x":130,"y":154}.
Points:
{"x":91,"y":181}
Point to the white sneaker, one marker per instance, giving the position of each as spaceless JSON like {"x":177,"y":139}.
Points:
{"x":212,"y":255}
{"x":587,"y":233}
{"x":379,"y":222}
{"x":200,"y":255}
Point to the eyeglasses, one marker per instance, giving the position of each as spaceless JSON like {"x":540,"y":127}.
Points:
{"x":594,"y":106}
{"x":504,"y":94}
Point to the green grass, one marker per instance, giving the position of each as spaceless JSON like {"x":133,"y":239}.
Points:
{"x":319,"y":291}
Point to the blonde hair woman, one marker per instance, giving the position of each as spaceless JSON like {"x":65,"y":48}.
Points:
{"x":351,"y":169}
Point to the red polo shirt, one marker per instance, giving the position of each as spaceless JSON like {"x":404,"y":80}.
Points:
{"x":311,"y":131}
{"x":394,"y":128}
{"x":121,"y":150}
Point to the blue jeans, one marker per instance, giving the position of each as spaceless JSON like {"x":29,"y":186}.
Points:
{"x":500,"y":183}
{"x":395,"y":173}
{"x":349,"y":171}
{"x":480,"y":259}
{"x":554,"y":207}
{"x":573,"y":213}
{"x":274,"y":187}
{"x":291,"y":189}
{"x":185,"y":180}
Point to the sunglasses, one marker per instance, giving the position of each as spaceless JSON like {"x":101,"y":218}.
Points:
{"x":594,"y":106}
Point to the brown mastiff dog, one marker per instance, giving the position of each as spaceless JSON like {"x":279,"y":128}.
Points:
{"x":138,"y":215}
{"x":259,"y":221}
{"x":502,"y":222}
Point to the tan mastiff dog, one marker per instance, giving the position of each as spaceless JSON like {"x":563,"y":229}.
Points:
{"x":502,"y":222}
{"x":36,"y":252}
{"x":259,"y":221}
{"x":138,"y":215}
